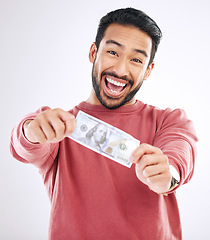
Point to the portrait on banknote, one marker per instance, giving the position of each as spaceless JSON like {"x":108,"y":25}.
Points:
{"x":96,"y":136}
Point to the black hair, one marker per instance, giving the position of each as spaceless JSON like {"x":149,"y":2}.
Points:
{"x":131,"y":17}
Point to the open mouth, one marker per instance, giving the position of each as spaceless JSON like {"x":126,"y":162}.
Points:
{"x":114,"y":87}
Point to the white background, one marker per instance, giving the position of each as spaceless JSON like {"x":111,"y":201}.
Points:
{"x":44,"y":49}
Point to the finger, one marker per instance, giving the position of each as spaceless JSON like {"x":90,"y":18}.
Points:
{"x":69,"y":121}
{"x":54,"y":118}
{"x":70,"y":126}
{"x":149,"y":159}
{"x":159,"y":183}
{"x":161,"y":179}
{"x":153,"y":159}
{"x":58,"y":127}
{"x":45,"y":121}
{"x":149,"y":166}
{"x":48,"y":131}
{"x":34,"y":133}
{"x":139,"y":174}
{"x":142,"y":150}
{"x":152,"y":170}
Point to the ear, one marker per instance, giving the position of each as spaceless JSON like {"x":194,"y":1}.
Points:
{"x":149,"y":70}
{"x":92,"y":53}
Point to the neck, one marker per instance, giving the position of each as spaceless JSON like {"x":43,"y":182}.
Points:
{"x":92,"y":99}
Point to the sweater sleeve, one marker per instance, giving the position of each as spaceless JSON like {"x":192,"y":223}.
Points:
{"x":40,"y":155}
{"x":176,"y":138}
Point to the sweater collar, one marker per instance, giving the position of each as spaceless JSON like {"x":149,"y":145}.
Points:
{"x":100,"y":108}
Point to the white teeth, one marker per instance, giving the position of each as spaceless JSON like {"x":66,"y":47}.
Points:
{"x":115,"y":82}
{"x":113,"y":91}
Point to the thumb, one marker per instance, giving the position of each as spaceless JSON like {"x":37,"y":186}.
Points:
{"x":140,"y":174}
{"x":70,"y":123}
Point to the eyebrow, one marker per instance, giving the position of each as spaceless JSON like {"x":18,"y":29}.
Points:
{"x":113,"y":42}
{"x":120,"y":45}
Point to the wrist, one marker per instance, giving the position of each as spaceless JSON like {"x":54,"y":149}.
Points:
{"x":174,"y":179}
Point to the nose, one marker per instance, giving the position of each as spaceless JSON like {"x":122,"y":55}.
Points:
{"x":120,"y":67}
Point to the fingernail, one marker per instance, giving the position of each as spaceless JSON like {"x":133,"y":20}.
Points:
{"x":132,"y":159}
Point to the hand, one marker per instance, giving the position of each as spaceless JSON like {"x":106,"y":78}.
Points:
{"x":51,"y":126}
{"x":152,"y":168}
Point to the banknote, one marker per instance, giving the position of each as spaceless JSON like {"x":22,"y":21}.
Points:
{"x":104,"y":138}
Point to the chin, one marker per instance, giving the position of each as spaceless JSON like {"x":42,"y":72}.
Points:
{"x":112,"y":103}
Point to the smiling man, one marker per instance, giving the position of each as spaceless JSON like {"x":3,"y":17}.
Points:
{"x":120,"y":65}
{"x":93,"y":197}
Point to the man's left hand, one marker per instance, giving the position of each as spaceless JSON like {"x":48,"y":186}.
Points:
{"x":152,"y":168}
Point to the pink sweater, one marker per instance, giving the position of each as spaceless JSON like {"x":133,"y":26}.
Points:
{"x":95,"y":198}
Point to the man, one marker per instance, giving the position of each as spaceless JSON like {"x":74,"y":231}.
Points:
{"x":93,"y":197}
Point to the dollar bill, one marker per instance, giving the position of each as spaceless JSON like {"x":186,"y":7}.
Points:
{"x":104,"y":139}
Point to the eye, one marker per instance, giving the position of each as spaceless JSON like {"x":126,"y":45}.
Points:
{"x":136,"y":60}
{"x":112,"y":52}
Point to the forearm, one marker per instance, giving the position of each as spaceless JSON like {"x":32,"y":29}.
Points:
{"x":177,"y":139}
{"x":181,"y":155}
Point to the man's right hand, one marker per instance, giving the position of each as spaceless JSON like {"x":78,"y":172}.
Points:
{"x":52,"y":126}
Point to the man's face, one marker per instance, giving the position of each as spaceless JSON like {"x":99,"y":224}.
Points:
{"x":120,"y":65}
{"x":100,"y":134}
